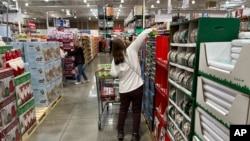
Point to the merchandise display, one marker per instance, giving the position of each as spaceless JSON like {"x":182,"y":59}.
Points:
{"x":183,"y":68}
{"x":45,"y":69}
{"x":194,"y":65}
{"x":87,"y":48}
{"x":9,"y":127}
{"x":66,"y":42}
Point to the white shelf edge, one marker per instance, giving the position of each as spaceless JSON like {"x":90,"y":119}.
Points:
{"x":180,"y":87}
{"x":181,"y":67}
{"x":170,"y":135}
{"x":178,"y":108}
{"x":176,"y":126}
{"x":183,"y":44}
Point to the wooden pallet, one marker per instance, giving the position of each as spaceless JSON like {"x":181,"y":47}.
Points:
{"x":28,"y":133}
{"x":42,"y":112}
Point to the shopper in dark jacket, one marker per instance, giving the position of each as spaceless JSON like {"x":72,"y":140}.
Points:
{"x":79,"y":63}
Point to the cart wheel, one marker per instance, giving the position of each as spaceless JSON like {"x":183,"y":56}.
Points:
{"x":99,"y":125}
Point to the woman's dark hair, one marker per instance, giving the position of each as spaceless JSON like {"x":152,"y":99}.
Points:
{"x":118,"y":51}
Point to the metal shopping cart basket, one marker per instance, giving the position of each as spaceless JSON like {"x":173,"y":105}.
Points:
{"x":107,"y":91}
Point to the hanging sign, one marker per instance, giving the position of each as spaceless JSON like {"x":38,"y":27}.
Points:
{"x":32,"y":25}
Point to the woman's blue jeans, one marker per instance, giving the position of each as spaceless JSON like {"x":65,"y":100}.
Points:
{"x":81,"y":71}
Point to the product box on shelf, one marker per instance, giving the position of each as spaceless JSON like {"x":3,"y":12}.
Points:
{"x":44,"y":94}
{"x":7,"y":87}
{"x":8,"y":112}
{"x":216,"y":64}
{"x":23,"y":89}
{"x":42,"y":73}
{"x":223,"y":102}
{"x":19,"y":46}
{"x":27,"y":115}
{"x":207,"y":128}
{"x":3,"y":49}
{"x":40,"y":52}
{"x":11,"y":133}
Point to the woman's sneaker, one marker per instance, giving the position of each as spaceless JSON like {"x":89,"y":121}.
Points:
{"x":86,"y":81}
{"x":77,"y":83}
{"x":120,"y":136}
{"x":135,"y":137}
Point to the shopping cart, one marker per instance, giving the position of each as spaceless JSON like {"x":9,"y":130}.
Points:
{"x":107,"y":91}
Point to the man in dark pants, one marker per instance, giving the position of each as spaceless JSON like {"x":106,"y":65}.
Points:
{"x":100,"y":46}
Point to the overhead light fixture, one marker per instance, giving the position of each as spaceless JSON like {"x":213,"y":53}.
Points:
{"x":120,"y":5}
{"x":193,"y":1}
{"x":34,"y":18}
{"x":46,"y":0}
{"x":85,"y":1}
{"x":89,"y":18}
{"x":25,"y":12}
{"x":26,"y":4}
{"x":87,"y":4}
{"x":13,"y":0}
{"x":116,"y":17}
{"x":91,"y":10}
{"x":75,"y":17}
{"x":242,"y":6}
{"x":227,"y":2}
{"x":96,"y":17}
{"x":52,"y":15}
{"x":122,"y":1}
{"x":62,"y":10}
{"x":158,"y":1}
{"x":119,"y":10}
{"x":152,"y":6}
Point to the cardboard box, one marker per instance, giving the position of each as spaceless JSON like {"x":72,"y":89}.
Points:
{"x":7,"y":112}
{"x":3,"y":49}
{"x":208,"y":128}
{"x":23,"y":89}
{"x":11,"y":133}
{"x":7,"y":86}
{"x":27,"y":115}
{"x":238,"y":78}
{"x":41,"y":52}
{"x":59,"y":86}
{"x":44,"y":94}
{"x":42,"y":73}
{"x":223,"y":102}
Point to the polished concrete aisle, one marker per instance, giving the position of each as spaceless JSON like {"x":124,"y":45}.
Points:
{"x":75,"y":118}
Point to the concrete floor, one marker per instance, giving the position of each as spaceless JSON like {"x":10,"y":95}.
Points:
{"x":75,"y":118}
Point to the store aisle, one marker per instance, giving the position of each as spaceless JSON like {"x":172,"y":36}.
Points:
{"x":75,"y":118}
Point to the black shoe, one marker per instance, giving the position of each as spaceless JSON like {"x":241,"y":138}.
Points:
{"x":120,"y":136}
{"x":135,"y":137}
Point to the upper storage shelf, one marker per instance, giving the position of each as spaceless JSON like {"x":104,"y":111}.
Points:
{"x":218,"y":63}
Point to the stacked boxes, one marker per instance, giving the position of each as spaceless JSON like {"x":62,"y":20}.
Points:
{"x":25,"y":102}
{"x":27,"y":116}
{"x":9,"y":128}
{"x":46,"y":71}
